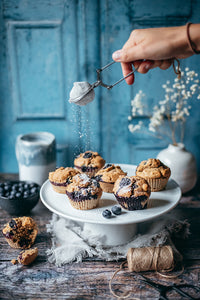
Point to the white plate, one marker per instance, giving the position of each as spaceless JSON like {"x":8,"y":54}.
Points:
{"x":161,"y":203}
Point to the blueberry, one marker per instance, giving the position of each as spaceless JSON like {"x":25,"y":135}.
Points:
{"x":21,"y":189}
{"x":26,"y":186}
{"x":15,"y":187}
{"x":124,"y":181}
{"x":33,"y":190}
{"x":1,"y":190}
{"x":7,"y":187}
{"x":87,"y":155}
{"x":31,"y":185}
{"x":18,"y":195}
{"x":98,"y":178}
{"x":69,"y":180}
{"x":106,"y":214}
{"x":116,"y":210}
{"x":107,"y":166}
{"x":84,"y":169}
{"x":26,"y":194}
{"x":96,"y":183}
{"x":13,"y":224}
{"x":11,"y":197}
{"x":134,"y":186}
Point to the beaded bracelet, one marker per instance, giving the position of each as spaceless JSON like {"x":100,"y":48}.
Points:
{"x":190,"y":43}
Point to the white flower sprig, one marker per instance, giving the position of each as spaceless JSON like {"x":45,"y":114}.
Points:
{"x":172,"y":110}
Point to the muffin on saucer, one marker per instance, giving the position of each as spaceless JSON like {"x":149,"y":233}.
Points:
{"x":61,"y":177}
{"x":89,"y":163}
{"x":155,"y":172}
{"x":108,"y":175}
{"x":84,"y":192}
{"x":132,"y":192}
{"x":20,"y":232}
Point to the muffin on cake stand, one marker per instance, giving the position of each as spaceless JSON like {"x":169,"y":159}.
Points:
{"x":116,"y":230}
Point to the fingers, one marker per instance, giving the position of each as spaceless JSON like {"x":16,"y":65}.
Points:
{"x":128,"y":54}
{"x":126,"y":69}
{"x":143,"y":67}
{"x":166,"y":64}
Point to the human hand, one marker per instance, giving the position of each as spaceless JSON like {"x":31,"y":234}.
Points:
{"x":150,"y":48}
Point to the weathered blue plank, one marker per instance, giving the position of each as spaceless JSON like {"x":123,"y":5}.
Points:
{"x":47,"y":45}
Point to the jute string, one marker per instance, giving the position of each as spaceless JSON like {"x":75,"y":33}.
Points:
{"x":159,"y":259}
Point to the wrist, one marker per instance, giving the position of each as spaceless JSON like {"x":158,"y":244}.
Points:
{"x":181,"y":45}
{"x":194,"y":36}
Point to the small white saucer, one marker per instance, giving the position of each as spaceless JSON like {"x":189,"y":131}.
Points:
{"x":118,"y":229}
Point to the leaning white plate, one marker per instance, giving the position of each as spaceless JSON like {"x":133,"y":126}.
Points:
{"x":161,"y":203}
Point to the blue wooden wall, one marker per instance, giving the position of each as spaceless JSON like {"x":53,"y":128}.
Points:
{"x":47,"y":45}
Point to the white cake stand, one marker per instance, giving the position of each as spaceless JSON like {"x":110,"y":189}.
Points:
{"x":118,"y":229}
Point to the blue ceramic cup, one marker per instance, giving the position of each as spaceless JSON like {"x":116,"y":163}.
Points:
{"x":36,"y":156}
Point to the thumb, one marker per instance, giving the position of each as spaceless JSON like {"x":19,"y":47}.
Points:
{"x":128,"y":54}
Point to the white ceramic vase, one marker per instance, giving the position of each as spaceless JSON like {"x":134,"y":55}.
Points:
{"x":182,"y":164}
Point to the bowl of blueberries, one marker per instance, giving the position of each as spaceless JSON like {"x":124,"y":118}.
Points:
{"x":18,"y":197}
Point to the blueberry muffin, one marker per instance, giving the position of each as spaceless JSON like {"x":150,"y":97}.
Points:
{"x":107,"y":177}
{"x":61,"y":177}
{"x":84,"y":192}
{"x":26,"y":257}
{"x":155,"y":172}
{"x":89,"y":163}
{"x":20,"y":232}
{"x":132,"y":192}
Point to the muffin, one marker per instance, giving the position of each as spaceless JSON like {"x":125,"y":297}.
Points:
{"x":84,"y":192}
{"x":155,"y":172}
{"x":20,"y":232}
{"x":26,"y":257}
{"x":132,"y":192}
{"x":107,"y":177}
{"x":61,"y":177}
{"x":89,"y":163}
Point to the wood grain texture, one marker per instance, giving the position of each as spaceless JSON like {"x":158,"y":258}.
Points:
{"x":89,"y":279}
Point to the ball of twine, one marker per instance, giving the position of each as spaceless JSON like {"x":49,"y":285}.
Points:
{"x":147,"y":259}
{"x":150,"y":259}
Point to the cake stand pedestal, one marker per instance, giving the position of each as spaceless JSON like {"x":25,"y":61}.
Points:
{"x":112,"y":235}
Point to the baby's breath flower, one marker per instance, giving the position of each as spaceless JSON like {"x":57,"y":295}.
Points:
{"x":173,"y":109}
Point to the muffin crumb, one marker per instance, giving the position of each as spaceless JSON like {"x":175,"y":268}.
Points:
{"x":26,"y":257}
{"x":14,"y":261}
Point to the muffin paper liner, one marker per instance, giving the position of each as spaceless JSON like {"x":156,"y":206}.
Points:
{"x":157,"y":184}
{"x":84,"y":204}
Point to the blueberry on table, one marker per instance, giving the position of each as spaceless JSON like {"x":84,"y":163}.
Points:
{"x":106,"y":214}
{"x":116,"y":210}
